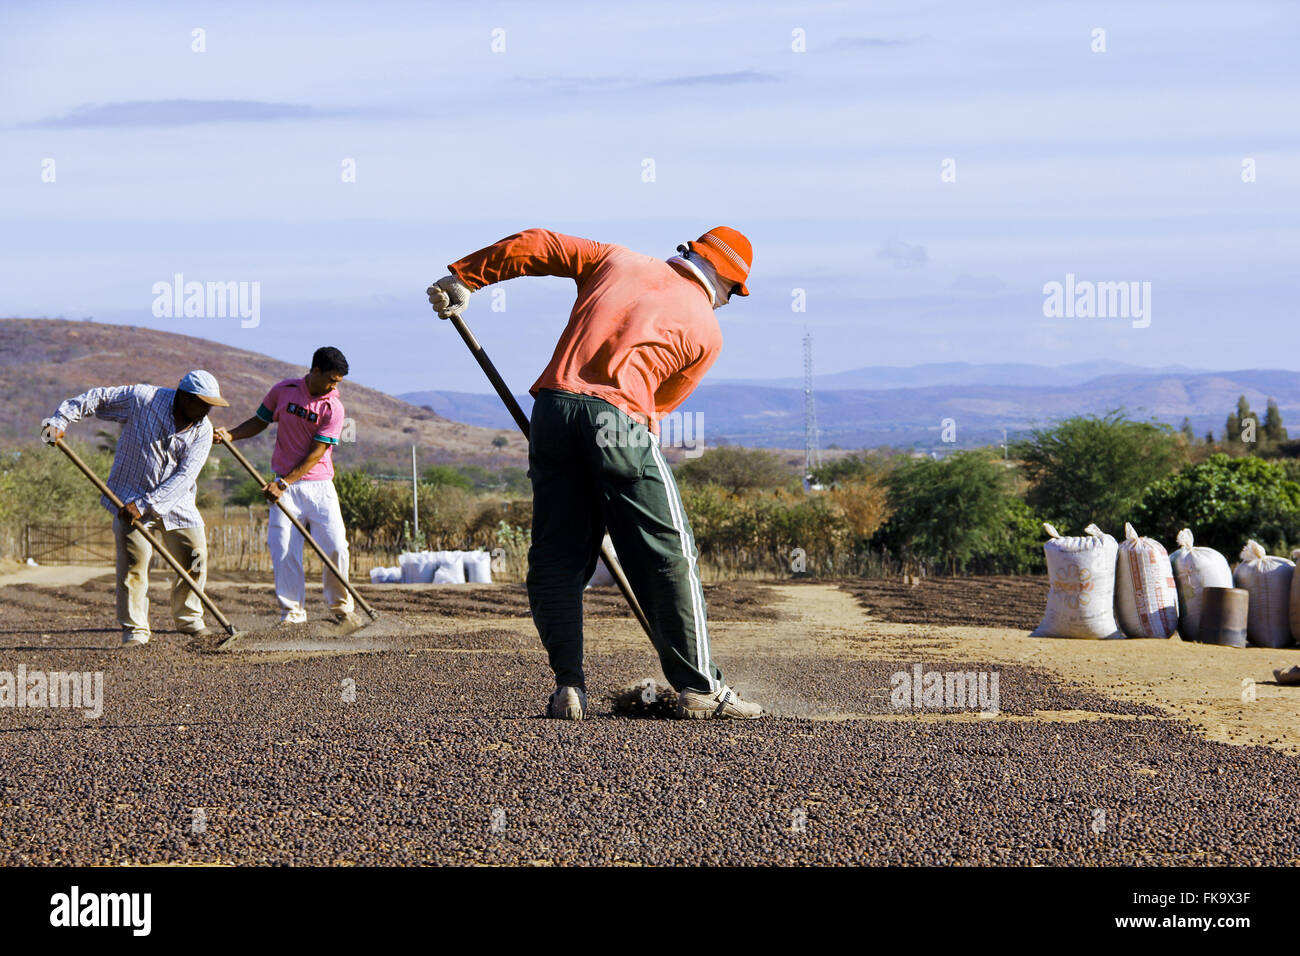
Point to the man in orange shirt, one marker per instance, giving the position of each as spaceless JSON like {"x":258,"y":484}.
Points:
{"x":640,"y":337}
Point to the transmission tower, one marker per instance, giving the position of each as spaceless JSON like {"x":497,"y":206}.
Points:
{"x":812,"y":451}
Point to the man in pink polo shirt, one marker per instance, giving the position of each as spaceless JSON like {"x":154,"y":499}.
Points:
{"x":309,"y":417}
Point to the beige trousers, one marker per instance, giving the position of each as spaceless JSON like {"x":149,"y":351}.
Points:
{"x":187,"y":545}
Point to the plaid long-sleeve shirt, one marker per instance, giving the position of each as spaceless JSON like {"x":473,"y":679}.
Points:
{"x":155,"y":466}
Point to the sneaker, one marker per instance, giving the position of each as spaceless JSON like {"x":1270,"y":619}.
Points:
{"x":199,"y":631}
{"x":723,"y":702}
{"x":567,"y":703}
{"x":132,"y":638}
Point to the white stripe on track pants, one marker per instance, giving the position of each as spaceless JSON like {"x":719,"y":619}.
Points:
{"x":316,"y":505}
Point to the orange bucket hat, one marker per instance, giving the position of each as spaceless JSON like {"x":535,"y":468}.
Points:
{"x":729,"y":252}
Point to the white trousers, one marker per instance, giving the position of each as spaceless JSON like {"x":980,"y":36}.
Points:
{"x":316,"y":505}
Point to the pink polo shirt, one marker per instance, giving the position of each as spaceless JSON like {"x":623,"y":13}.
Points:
{"x":302,"y":418}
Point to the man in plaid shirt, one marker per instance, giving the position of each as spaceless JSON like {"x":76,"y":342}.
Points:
{"x":166,"y":437}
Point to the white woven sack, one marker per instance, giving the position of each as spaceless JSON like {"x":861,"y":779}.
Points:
{"x":417,"y":567}
{"x":450,"y":564}
{"x":1295,"y":601}
{"x":1268,"y":579}
{"x":478,"y":567}
{"x":1196,"y":569}
{"x":602,"y":575}
{"x":1081,"y":570}
{"x":1145,"y":594}
{"x":447,"y":574}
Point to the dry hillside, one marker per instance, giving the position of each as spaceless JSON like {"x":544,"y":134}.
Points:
{"x":43,"y":361}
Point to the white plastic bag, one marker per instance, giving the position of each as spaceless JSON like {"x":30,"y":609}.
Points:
{"x":1268,"y":579}
{"x":478,"y":567}
{"x":1295,"y":600}
{"x":1145,"y":594}
{"x":1081,"y":602}
{"x":1196,"y":569}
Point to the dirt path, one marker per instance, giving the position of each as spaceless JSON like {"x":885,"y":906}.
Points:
{"x":54,"y":575}
{"x":1209,"y":686}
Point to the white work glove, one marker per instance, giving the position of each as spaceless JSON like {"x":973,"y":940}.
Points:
{"x":449,"y":296}
{"x":50,"y":432}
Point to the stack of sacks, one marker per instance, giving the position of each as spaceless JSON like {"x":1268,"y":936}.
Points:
{"x":385,"y":575}
{"x":445,"y":567}
{"x":1145,"y":593}
{"x":1081,"y":602}
{"x":1268,"y":579}
{"x":1196,"y":569}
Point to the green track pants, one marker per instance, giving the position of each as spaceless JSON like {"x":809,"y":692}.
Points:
{"x":593,"y":468}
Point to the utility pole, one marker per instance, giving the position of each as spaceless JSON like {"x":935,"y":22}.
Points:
{"x":415,"y":497}
{"x":812,"y":453}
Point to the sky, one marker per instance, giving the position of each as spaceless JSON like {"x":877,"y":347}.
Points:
{"x":919,"y":170}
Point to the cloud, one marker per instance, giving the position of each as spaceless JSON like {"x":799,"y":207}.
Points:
{"x":183,"y":113}
{"x":585,"y":85}
{"x":718,"y":79}
{"x":904,"y":255}
{"x":870,"y":43}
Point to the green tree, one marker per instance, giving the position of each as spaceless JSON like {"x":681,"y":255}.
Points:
{"x":370,"y":507}
{"x":1274,"y":430}
{"x":1225,"y":501}
{"x":849,"y":469}
{"x":953,"y":511}
{"x":42,"y":486}
{"x":736,"y":469}
{"x":1092,"y":468}
{"x":247,"y":492}
{"x":446,"y":475}
{"x":1188,"y":431}
{"x":1241,"y":424}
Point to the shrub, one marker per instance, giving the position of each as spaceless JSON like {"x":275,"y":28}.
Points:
{"x":1225,"y":501}
{"x":956,"y":511}
{"x":1093,"y":468}
{"x":736,"y":470}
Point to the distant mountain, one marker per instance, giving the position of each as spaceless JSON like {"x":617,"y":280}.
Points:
{"x":43,"y":361}
{"x":771,"y":415}
{"x":965,"y":373}
{"x":471,"y":408}
{"x":858,"y":418}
